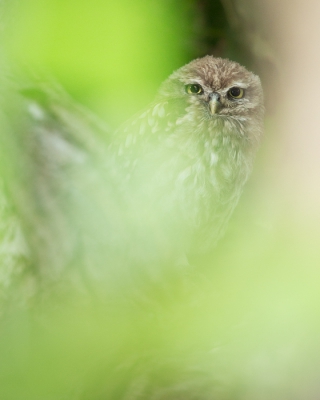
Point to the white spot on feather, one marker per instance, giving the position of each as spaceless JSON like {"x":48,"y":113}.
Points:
{"x":161,"y":112}
{"x":142,"y":128}
{"x":189,"y":117}
{"x":155,"y":110}
{"x":128,"y":141}
{"x":180,"y":121}
{"x":184,"y":174}
{"x":36,"y":111}
{"x":213,"y":159}
{"x":151,"y":121}
{"x":143,"y":114}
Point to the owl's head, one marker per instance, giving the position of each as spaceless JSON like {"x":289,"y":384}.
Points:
{"x":216,"y":88}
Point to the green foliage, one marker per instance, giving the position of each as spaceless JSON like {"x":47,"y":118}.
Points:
{"x":242,"y":325}
{"x":110,"y":54}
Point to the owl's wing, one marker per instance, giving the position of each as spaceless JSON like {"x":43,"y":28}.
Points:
{"x":51,"y":109}
{"x":144,"y":134}
{"x":55,"y":170}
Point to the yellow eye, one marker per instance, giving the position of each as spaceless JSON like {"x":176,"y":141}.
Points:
{"x":194,"y":88}
{"x":236,"y":93}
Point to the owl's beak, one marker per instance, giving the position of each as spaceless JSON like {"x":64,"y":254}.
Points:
{"x":214,"y":103}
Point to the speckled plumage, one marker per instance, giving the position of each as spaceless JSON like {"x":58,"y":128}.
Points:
{"x":188,"y":164}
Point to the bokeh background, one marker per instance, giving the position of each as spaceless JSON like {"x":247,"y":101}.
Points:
{"x":244,"y":323}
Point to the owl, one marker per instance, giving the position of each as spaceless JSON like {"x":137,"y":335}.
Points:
{"x":184,"y":160}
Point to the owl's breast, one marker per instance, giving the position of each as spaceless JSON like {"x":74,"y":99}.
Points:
{"x":209,"y":178}
{"x":215,"y":151}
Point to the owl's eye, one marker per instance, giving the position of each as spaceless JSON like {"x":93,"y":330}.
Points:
{"x":236,"y":93}
{"x":194,"y":88}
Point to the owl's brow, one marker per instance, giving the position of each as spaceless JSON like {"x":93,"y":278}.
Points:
{"x":240,"y":85}
{"x":194,"y":80}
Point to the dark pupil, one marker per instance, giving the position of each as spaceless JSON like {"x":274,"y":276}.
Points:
{"x":194,"y":88}
{"x":235,"y":92}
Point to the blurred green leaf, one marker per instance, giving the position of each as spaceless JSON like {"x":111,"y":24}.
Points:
{"x":112,"y":55}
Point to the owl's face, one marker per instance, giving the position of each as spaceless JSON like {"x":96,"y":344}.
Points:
{"x":216,"y":88}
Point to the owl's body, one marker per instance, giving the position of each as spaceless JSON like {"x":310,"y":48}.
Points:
{"x":187,"y":157}
{"x":164,"y":187}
